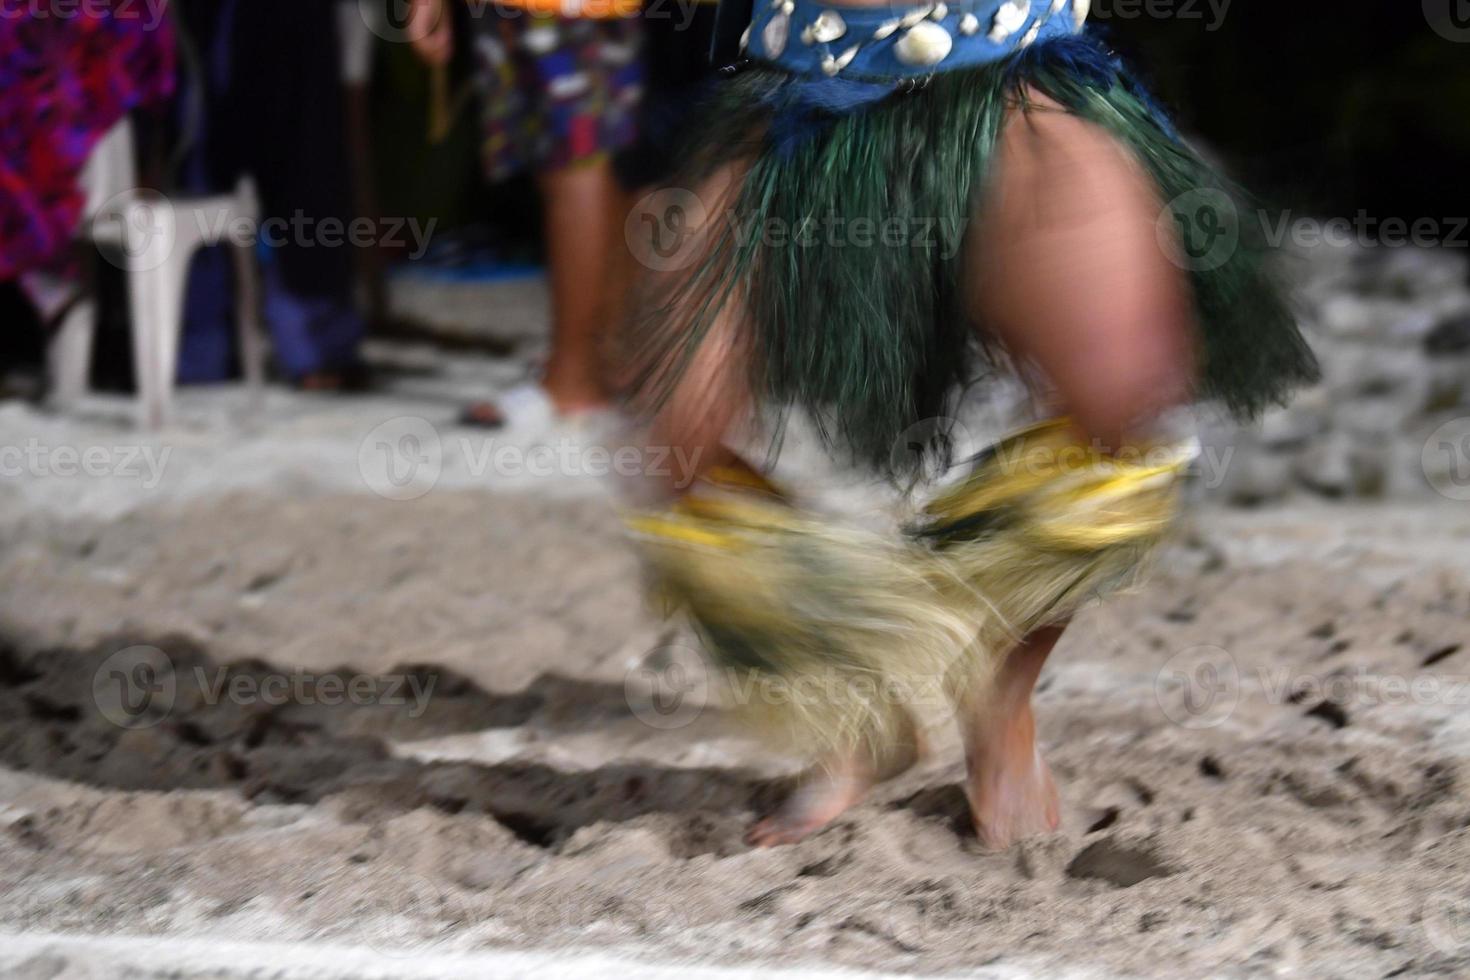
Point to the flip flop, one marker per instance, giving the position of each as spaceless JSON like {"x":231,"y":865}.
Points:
{"x":524,"y":407}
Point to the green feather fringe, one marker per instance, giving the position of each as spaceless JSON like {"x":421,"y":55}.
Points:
{"x":874,"y":339}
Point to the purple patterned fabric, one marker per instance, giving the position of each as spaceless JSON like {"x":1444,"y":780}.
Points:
{"x":556,"y":90}
{"x":65,"y":80}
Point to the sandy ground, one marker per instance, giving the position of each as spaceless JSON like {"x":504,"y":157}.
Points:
{"x":378,"y":737}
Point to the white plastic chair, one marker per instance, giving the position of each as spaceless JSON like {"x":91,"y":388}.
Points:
{"x":153,"y":238}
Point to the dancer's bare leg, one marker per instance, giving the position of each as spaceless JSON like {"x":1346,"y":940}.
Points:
{"x":579,"y":203}
{"x":1068,"y":271}
{"x":1010,"y":787}
{"x":709,"y":400}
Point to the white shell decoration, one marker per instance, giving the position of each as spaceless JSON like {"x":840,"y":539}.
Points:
{"x":745,"y":38}
{"x":1009,"y":19}
{"x":913,"y":16}
{"x":969,"y":24}
{"x":788,"y":8}
{"x":886,"y":28}
{"x":828,"y":26}
{"x":774,"y":35}
{"x":924,"y":44}
{"x":1080,"y":9}
{"x":1031,"y":35}
{"x":939,"y":12}
{"x":1056,"y":7}
{"x":832,"y":66}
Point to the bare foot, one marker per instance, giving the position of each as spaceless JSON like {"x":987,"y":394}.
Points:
{"x":821,"y":798}
{"x":1010,"y":787}
{"x":1011,"y":791}
{"x":825,"y":792}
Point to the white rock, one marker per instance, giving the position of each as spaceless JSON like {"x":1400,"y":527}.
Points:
{"x":828,"y":26}
{"x":925,"y":43}
{"x":1009,"y":19}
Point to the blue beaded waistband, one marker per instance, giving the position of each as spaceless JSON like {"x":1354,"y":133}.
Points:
{"x":887,"y":44}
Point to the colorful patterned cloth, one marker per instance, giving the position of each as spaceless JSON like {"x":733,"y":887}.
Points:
{"x":556,"y":90}
{"x":64,"y":82}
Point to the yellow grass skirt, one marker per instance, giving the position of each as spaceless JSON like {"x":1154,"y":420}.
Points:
{"x":836,"y":638}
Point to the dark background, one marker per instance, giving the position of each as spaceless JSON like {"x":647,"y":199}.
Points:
{"x":1323,"y":107}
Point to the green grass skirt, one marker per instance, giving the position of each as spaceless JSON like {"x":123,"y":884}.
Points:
{"x":874,"y":339}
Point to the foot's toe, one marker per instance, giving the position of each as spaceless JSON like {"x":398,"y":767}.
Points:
{"x":776,"y":831}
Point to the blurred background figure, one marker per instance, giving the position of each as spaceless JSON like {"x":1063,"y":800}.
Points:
{"x":559,"y":95}
{"x":64,"y":83}
{"x":268,"y":79}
